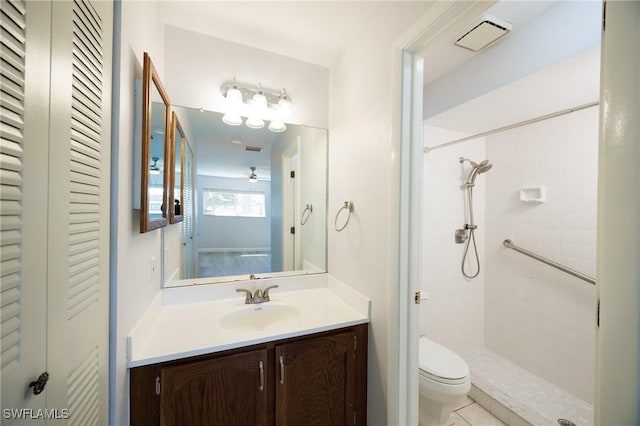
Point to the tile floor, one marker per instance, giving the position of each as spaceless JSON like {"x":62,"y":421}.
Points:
{"x":509,"y":387}
{"x":470,"y":413}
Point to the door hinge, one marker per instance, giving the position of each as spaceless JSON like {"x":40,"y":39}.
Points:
{"x":292,"y":174}
{"x":598,"y":314}
{"x":354,"y":417}
{"x":158,"y":385}
{"x":604,"y":16}
{"x":292,"y":230}
{"x":416,"y":298}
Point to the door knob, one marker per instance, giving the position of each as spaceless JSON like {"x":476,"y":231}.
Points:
{"x":38,"y":385}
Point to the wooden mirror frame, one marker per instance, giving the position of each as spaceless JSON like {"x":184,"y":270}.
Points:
{"x":176,"y":129}
{"x":150,"y":76}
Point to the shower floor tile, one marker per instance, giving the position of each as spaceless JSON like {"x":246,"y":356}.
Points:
{"x":530,"y":397}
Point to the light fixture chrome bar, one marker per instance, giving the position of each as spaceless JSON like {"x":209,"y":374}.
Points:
{"x":509,"y":244}
{"x":513,"y":126}
{"x":248,"y":90}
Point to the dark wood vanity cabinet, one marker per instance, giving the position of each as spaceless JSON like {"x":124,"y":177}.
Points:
{"x":219,"y":391}
{"x":318,"y":379}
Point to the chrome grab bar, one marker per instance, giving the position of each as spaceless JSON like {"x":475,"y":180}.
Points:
{"x":509,"y":244}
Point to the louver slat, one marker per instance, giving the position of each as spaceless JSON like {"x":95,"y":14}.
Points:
{"x":12,"y":67}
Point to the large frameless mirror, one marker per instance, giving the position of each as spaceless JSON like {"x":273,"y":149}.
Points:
{"x":260,"y":200}
{"x":155,"y":150}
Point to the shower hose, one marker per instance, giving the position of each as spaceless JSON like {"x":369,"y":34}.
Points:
{"x":471,"y":227}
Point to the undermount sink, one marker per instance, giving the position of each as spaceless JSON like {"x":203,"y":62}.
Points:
{"x":259,"y":316}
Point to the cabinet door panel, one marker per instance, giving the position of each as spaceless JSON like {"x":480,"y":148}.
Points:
{"x":315,"y":381}
{"x":223,"y":391}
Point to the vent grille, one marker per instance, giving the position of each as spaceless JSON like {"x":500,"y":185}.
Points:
{"x":484,"y":33}
{"x":253,"y":148}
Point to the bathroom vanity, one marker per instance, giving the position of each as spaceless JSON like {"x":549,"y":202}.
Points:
{"x":315,"y":379}
{"x":299,"y":359}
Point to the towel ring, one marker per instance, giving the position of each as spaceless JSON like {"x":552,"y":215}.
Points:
{"x":307,"y":210}
{"x":348,"y":206}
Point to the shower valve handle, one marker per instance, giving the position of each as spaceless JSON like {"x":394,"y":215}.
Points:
{"x":461,"y":236}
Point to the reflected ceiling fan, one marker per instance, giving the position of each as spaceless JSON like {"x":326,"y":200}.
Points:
{"x":253,"y":177}
{"x":154,"y":169}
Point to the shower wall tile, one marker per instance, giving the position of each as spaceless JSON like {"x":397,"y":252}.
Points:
{"x":454,"y":314}
{"x":540,"y":318}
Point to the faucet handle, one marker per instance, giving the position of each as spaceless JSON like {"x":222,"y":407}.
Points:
{"x":265,"y":292}
{"x":248,"y":298}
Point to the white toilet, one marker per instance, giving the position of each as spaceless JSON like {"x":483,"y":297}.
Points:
{"x":444,"y":381}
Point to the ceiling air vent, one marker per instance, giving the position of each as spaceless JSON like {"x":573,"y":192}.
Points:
{"x":253,"y":148}
{"x":484,"y":33}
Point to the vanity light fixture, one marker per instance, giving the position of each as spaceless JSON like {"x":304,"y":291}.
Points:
{"x":256,"y":103}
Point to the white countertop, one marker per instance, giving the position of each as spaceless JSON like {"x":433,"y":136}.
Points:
{"x":174,"y":331}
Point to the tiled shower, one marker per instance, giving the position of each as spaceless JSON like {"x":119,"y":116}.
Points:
{"x":527,"y":330}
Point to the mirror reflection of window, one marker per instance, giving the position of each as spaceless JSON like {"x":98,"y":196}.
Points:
{"x":218,"y":202}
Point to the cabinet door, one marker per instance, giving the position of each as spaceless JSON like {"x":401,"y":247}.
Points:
{"x":315,"y":381}
{"x":225,"y":391}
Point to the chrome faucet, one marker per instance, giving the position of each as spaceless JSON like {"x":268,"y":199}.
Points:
{"x":259,"y":296}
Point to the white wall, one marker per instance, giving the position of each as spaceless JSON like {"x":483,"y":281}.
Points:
{"x":454,"y":313}
{"x":536,"y":316}
{"x":135,"y":285}
{"x":197,"y":65}
{"x":363,"y":158}
{"x":219,"y":232}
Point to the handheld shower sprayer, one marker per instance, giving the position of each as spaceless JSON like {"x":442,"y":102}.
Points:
{"x":468,"y":232}
{"x":476,"y":170}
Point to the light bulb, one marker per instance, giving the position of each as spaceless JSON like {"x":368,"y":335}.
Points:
{"x":232,"y":119}
{"x":277,"y":125}
{"x":258,"y":108}
{"x":284,"y":104}
{"x":234,"y":103}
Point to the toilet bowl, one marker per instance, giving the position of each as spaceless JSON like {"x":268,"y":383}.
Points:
{"x":444,"y":380}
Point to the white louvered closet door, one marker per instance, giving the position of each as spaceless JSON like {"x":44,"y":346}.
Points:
{"x":24,"y":135}
{"x":187,"y":266}
{"x":62,"y":234}
{"x":78,"y":276}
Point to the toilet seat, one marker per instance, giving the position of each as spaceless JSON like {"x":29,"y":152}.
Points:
{"x":440,"y":364}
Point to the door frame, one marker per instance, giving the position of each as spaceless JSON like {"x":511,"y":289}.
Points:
{"x":434,"y":25}
{"x":617,"y":362}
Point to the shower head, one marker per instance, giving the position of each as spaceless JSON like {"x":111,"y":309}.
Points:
{"x":477,"y":169}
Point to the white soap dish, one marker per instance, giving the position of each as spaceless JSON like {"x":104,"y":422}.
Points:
{"x":534,"y":195}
